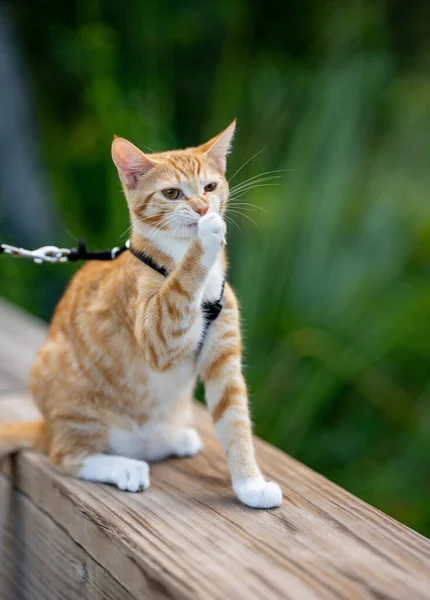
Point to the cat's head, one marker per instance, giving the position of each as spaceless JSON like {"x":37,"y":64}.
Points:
{"x":171,"y":191}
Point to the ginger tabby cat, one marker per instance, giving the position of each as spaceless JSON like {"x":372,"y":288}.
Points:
{"x":114,"y":380}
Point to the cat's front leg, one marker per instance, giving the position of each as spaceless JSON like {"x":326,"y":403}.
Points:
{"x":126,"y":473}
{"x":168,"y":321}
{"x":211,"y":232}
{"x":227,"y":400}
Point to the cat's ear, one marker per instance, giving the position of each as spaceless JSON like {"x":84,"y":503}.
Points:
{"x":218,"y":147}
{"x":130,"y":162}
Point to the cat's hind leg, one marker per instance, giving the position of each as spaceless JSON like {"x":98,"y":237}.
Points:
{"x":155,"y":442}
{"x":187,"y":443}
{"x":77,"y":448}
{"x":183,"y":443}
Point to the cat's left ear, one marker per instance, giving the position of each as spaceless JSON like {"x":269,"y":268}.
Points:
{"x":130,"y":162}
{"x":219,"y":147}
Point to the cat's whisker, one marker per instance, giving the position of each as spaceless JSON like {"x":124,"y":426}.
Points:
{"x":165,"y":220}
{"x":248,"y":161}
{"x":238,"y":212}
{"x":231,"y":220}
{"x":251,"y":184}
{"x":242,"y":192}
{"x":254,"y":182}
{"x":150,"y":218}
{"x":158,"y":226}
{"x":178,"y":225}
{"x":230,"y":207}
{"x":246,"y":204}
{"x":264,"y":173}
{"x":226,"y":182}
{"x":261,"y":176}
{"x":124,"y":233}
{"x":168,"y":222}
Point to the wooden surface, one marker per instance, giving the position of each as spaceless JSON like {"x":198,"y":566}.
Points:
{"x":187,"y":536}
{"x":39,"y":560}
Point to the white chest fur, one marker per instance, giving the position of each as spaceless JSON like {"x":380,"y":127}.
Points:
{"x":169,"y":400}
{"x":168,"y":388}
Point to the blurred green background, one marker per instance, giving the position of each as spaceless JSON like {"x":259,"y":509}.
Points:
{"x":334,"y":275}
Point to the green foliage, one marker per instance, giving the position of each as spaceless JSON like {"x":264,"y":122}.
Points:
{"x":334,"y":280}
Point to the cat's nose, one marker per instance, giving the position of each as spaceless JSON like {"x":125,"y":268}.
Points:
{"x":201,"y":210}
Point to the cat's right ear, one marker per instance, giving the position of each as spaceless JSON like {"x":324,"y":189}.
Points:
{"x":130,"y":162}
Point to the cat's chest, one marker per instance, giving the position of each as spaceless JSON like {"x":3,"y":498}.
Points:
{"x":169,"y":386}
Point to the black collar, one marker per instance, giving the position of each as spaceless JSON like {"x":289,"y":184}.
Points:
{"x":140,"y":254}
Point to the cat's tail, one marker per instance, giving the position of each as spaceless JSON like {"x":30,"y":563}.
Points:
{"x":21,"y":435}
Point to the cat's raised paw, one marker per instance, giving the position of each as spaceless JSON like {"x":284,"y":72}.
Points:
{"x":130,"y":475}
{"x":257,"y":493}
{"x":211,"y":231}
{"x":188,"y":444}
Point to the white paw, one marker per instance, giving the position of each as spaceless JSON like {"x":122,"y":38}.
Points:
{"x":211,"y":231}
{"x":189,"y":443}
{"x":257,"y":493}
{"x":130,"y":475}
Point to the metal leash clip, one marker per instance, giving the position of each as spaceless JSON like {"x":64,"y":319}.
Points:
{"x":49,"y":254}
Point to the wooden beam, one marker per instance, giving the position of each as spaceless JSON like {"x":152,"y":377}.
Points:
{"x":39,"y":560}
{"x":188,"y":537}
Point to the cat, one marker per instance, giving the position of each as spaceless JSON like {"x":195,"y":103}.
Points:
{"x":114,"y":380}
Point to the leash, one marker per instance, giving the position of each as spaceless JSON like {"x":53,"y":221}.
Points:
{"x":55,"y":255}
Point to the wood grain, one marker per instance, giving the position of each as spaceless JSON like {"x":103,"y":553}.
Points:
{"x":187,"y":536}
{"x":39,"y":561}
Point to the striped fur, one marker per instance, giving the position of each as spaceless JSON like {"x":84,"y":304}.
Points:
{"x":114,"y":380}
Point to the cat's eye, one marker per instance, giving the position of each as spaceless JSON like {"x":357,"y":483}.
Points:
{"x":210,"y":187}
{"x":172,"y":193}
